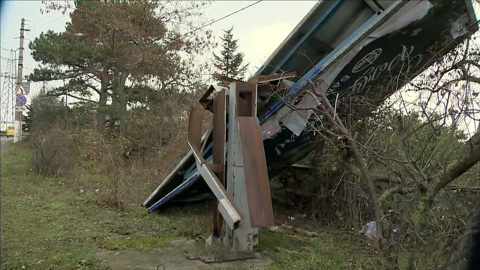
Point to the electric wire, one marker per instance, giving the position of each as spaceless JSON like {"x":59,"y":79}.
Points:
{"x":45,"y":20}
{"x":217,"y":20}
{"x":45,"y":24}
{"x":28,"y":54}
{"x":47,"y":17}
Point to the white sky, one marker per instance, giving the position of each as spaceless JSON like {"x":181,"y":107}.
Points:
{"x":260,"y":28}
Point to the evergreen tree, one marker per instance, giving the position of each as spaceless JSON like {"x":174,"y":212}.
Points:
{"x":129,"y":52}
{"x":229,"y":63}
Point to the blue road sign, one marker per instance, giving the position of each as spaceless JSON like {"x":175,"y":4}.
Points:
{"x":21,"y":100}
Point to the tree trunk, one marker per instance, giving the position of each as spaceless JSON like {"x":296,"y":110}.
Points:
{"x":453,"y":171}
{"x":122,"y":103}
{"x":102,"y":102}
{"x":113,"y":112}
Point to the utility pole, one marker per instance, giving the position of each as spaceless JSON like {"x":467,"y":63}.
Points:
{"x":17,"y":137}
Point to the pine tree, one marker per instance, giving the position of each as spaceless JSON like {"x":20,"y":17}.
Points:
{"x":229,"y":63}
{"x":111,"y":49}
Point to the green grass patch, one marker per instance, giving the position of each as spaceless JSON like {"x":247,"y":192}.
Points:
{"x":276,"y":241}
{"x":329,"y":251}
{"x":139,"y":243}
{"x":47,"y":223}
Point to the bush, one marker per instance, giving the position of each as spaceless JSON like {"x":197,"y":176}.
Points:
{"x":124,"y":170}
{"x":52,"y":154}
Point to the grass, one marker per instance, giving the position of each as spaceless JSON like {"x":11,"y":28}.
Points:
{"x":149,"y":243}
{"x":47,"y":223}
{"x":328,"y":251}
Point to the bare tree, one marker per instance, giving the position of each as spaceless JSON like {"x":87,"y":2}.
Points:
{"x":416,"y":154}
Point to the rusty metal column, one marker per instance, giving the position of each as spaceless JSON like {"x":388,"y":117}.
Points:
{"x":218,"y":152}
{"x":237,"y":239}
{"x":247,"y":178}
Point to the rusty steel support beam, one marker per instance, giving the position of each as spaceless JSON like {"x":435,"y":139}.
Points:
{"x":227,"y":209}
{"x":256,"y":175}
{"x":218,"y":152}
{"x":247,"y":175}
{"x":245,"y":205}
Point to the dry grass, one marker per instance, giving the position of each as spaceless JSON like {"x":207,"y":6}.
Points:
{"x":58,"y":223}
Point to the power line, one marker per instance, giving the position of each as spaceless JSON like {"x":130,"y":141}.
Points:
{"x":219,"y":19}
{"x":54,"y":20}
{"x":47,"y":17}
{"x":28,"y":55}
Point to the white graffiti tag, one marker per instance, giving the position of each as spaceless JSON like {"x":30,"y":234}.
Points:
{"x":367,"y":60}
{"x":280,"y":146}
{"x":402,"y":61}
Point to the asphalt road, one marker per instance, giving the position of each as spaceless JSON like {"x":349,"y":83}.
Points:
{"x":6,"y":142}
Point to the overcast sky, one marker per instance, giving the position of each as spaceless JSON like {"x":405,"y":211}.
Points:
{"x":259,"y":28}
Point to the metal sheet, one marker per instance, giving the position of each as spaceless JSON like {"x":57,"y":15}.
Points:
{"x":205,"y":100}
{"x":219,"y":130}
{"x":284,"y":147}
{"x":271,"y":78}
{"x":243,"y":93}
{"x":256,"y":176}
{"x":226,"y":207}
{"x":228,"y":210}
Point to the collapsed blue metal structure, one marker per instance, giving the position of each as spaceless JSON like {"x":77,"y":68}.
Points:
{"x":352,"y":49}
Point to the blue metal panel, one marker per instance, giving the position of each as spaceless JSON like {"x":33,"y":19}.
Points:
{"x":191,"y":174}
{"x":188,"y":172}
{"x":307,"y":35}
{"x":259,"y":70}
{"x":289,"y":152}
{"x":313,"y":72}
{"x":193,"y":168}
{"x":177,"y":190}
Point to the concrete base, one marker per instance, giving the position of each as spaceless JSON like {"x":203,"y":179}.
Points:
{"x":174,"y":258}
{"x":234,"y":256}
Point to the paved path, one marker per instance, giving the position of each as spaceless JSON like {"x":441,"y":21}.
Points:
{"x":6,"y":142}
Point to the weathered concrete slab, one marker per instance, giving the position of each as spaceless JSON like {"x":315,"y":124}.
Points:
{"x":175,"y":258}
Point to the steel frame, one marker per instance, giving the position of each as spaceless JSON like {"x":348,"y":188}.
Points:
{"x":243,"y":203}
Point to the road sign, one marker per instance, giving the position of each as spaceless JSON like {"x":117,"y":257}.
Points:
{"x":26,"y":86}
{"x":20,"y":90}
{"x":21,"y":100}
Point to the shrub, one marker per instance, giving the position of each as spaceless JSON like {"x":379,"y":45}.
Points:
{"x":52,"y":154}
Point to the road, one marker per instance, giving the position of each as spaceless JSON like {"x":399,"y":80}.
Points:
{"x":6,"y":142}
